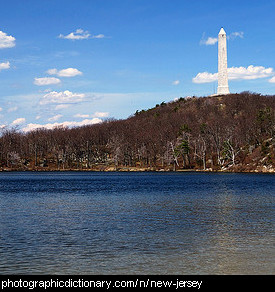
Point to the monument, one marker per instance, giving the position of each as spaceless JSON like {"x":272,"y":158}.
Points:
{"x":222,"y":64}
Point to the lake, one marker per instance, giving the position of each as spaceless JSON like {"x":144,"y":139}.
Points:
{"x":136,"y":223}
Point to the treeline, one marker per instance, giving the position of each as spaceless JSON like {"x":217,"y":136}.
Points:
{"x":233,"y":132}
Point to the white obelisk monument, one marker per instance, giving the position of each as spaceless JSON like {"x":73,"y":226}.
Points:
{"x":222,"y":64}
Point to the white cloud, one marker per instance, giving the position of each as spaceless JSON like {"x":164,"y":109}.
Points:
{"x":2,"y":126}
{"x":52,"y":71}
{"x":95,"y":115}
{"x":209,"y":41}
{"x":18,"y":121}
{"x":62,"y":97}
{"x":31,"y":127}
{"x":61,"y":106}
{"x":6,"y":41}
{"x":101,"y":114}
{"x":81,"y":116}
{"x":176,"y":82}
{"x":79,"y":34}
{"x":236,"y":73}
{"x":205,"y":77}
{"x":69,"y":72}
{"x":5,"y":65}
{"x":46,"y":81}
{"x":55,"y":118}
{"x":251,"y":72}
{"x":213,"y":40}
{"x":272,"y":80}
{"x":1,"y":109}
{"x":99,"y":36}
{"x":235,"y":34}
{"x":46,"y":90}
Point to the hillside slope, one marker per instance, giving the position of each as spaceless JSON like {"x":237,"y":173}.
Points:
{"x":235,"y":132}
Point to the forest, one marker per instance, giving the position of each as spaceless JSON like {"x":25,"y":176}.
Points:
{"x":234,"y":132}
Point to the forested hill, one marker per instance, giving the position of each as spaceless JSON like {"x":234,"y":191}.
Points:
{"x":235,"y":132}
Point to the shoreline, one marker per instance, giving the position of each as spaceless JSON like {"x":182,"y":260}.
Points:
{"x":135,"y":169}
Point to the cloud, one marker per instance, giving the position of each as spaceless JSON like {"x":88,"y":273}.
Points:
{"x":236,"y":73}
{"x":100,"y":114}
{"x":18,"y":121}
{"x":61,"y":106}
{"x":1,"y":109}
{"x":55,"y":118}
{"x":209,"y":41}
{"x":5,"y":65}
{"x":69,"y":72}
{"x":235,"y":34}
{"x":52,"y":71}
{"x":81,"y":116}
{"x":46,"y":81}
{"x":95,"y":115}
{"x":79,"y":34}
{"x":176,"y":82}
{"x":213,"y":40}
{"x":69,"y":124}
{"x":99,"y":36}
{"x":205,"y":77}
{"x":62,"y":97}
{"x":272,"y":80}
{"x":6,"y":41}
{"x":251,"y":72}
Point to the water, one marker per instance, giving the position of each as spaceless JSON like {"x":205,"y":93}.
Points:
{"x":136,"y":223}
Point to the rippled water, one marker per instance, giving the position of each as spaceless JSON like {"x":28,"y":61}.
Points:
{"x":136,"y":223}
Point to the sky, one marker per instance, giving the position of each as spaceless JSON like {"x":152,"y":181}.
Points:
{"x":72,"y":63}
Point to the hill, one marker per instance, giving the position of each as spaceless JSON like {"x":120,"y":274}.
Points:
{"x":234,"y":132}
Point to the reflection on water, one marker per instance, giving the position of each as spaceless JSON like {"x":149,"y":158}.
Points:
{"x":136,"y":223}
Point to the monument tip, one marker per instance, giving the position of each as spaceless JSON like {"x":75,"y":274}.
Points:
{"x":222,"y":31}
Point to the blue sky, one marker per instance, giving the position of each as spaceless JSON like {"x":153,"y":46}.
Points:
{"x":80,"y":62}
